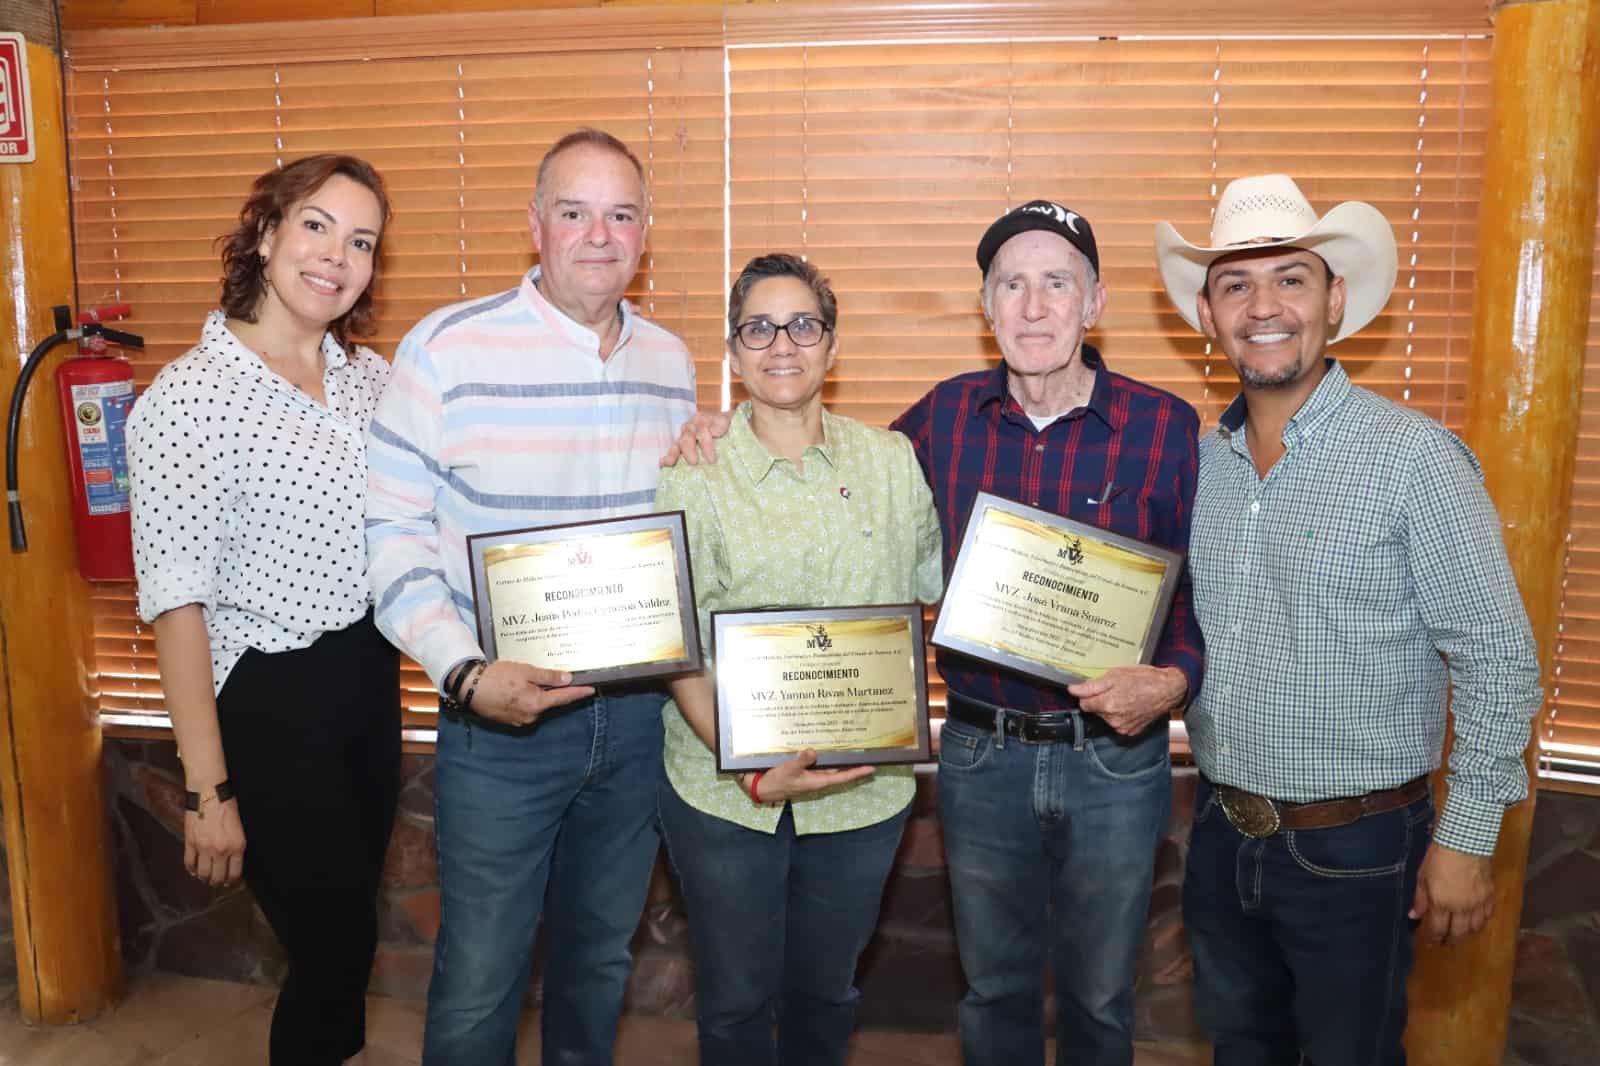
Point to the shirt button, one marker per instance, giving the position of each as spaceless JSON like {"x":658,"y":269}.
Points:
{"x":1038,"y":447}
{"x":1254,"y":507}
{"x":1035,"y":503}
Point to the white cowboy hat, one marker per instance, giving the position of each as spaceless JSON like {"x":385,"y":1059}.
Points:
{"x":1269,"y":210}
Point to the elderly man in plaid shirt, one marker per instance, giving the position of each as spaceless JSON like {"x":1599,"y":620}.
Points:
{"x":1349,"y":574}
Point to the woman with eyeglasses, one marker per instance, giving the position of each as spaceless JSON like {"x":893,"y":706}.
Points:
{"x":782,"y":872}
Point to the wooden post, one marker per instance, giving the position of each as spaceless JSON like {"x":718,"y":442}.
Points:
{"x":57,"y":839}
{"x":1536,"y":235}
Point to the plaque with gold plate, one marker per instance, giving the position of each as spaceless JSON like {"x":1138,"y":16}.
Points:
{"x":610,"y":600}
{"x":1053,"y":598}
{"x":850,"y":683}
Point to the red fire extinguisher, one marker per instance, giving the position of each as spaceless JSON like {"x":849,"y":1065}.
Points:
{"x":96,"y":394}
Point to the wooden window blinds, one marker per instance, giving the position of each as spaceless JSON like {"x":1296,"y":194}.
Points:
{"x":880,"y":149}
{"x":162,"y":159}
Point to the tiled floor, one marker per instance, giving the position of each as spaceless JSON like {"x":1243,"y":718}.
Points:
{"x":181,"y":1021}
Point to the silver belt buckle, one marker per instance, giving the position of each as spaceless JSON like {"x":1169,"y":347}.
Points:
{"x":1254,"y":816}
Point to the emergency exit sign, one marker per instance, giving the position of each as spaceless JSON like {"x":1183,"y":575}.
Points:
{"x":16,"y":113}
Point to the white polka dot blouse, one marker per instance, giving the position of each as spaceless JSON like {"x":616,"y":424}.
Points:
{"x":249,"y":496}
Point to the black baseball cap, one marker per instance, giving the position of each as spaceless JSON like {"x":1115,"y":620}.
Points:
{"x":1039,"y":214}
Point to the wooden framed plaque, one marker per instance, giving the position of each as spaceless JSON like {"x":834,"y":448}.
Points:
{"x":1057,"y":599}
{"x":849,"y":682}
{"x":609,"y":601}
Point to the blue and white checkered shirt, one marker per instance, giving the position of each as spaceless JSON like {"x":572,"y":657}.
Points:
{"x":1342,"y":598}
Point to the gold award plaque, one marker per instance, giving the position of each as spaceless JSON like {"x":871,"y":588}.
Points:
{"x":850,"y":684}
{"x":1052,"y":597}
{"x":606,"y":600}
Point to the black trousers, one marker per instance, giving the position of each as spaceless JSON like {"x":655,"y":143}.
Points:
{"x":312,"y":740}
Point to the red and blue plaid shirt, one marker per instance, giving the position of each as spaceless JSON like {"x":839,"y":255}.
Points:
{"x":1133,"y":449}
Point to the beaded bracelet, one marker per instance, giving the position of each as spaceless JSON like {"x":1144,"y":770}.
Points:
{"x":450,"y":701}
{"x":477,"y":675}
{"x":453,"y":685}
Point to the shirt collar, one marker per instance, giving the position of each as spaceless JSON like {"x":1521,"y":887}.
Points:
{"x":557,"y":319}
{"x":1323,"y":401}
{"x":996,"y":390}
{"x":237,"y":355}
{"x":754,"y":457}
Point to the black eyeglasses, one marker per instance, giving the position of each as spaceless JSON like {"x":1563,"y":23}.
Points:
{"x":759,"y":334}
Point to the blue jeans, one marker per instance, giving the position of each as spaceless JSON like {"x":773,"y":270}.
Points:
{"x":1051,"y":848}
{"x":556,"y":821}
{"x":776,"y":923}
{"x":1301,"y":941}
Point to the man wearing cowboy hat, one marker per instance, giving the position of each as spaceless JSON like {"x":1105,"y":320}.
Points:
{"x":1349,"y":574}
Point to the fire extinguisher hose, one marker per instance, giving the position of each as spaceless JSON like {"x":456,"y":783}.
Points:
{"x":19,"y":532}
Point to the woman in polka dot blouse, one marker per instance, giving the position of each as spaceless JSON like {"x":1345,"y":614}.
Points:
{"x":249,"y":476}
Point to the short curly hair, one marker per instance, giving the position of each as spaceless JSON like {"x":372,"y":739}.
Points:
{"x":244,"y":282}
{"x":780,"y":265}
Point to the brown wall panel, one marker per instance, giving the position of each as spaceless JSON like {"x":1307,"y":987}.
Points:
{"x":223,"y":12}
{"x":113,"y":14}
{"x":762,"y":19}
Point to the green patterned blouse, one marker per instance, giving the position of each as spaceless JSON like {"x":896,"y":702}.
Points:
{"x":855,"y":525}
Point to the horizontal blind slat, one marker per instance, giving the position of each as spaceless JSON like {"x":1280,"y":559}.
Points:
{"x":163,"y":160}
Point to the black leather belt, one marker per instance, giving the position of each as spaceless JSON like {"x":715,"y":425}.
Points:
{"x":1044,"y":728}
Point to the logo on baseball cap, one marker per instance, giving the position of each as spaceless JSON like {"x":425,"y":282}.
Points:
{"x":1039,"y":214}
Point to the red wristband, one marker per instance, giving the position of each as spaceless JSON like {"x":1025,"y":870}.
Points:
{"x":755,"y":786}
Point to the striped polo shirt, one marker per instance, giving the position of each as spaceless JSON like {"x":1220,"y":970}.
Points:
{"x":500,"y":414}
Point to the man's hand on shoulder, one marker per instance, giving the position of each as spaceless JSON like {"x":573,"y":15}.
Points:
{"x":1129,"y":698}
{"x":1455,"y":894}
{"x":697,"y":440}
{"x":517,"y":694}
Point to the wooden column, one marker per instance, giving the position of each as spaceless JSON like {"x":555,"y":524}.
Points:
{"x":1536,"y":235}
{"x":57,"y":839}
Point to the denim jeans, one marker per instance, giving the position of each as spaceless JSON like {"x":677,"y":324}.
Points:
{"x":1051,"y":848}
{"x":1301,"y":941}
{"x":776,"y":923}
{"x":553,"y":822}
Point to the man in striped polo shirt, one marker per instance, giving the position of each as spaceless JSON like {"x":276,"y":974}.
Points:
{"x":548,"y":403}
{"x":1349,"y":575}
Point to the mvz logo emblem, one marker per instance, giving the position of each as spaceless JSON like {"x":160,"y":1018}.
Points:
{"x":1072,"y":553}
{"x":819,"y":639}
{"x":16,"y":112}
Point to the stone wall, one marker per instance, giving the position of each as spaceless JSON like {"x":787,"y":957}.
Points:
{"x":910,"y":977}
{"x":1555,"y":998}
